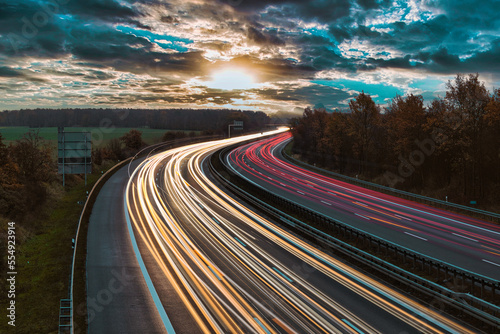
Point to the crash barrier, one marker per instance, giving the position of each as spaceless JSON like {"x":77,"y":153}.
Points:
{"x":486,"y":215}
{"x":78,"y":268}
{"x":443,"y":284}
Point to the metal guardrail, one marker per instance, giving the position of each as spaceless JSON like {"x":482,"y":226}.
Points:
{"x":92,"y":193}
{"x":492,"y":216}
{"x":472,"y":305}
{"x":65,"y":316}
{"x":69,"y":328}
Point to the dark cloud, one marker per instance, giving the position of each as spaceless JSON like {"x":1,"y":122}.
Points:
{"x":443,"y":60}
{"x":98,"y":76}
{"x":322,"y":57}
{"x":487,"y":61}
{"x":477,"y":15}
{"x":310,"y":95}
{"x":373,"y":4}
{"x":169,"y":19}
{"x":263,"y":38}
{"x":45,"y":28}
{"x":106,"y":10}
{"x":323,"y":10}
{"x":9,"y":72}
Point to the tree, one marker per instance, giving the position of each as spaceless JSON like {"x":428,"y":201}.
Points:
{"x":309,"y":131}
{"x":34,"y":157}
{"x":405,"y":122}
{"x":133,"y":139}
{"x":467,"y":98}
{"x":114,"y":150}
{"x":406,"y":118}
{"x":3,"y":151}
{"x":336,"y":139}
{"x":10,"y":186}
{"x":492,"y":119}
{"x":363,"y":123}
{"x":29,"y":168}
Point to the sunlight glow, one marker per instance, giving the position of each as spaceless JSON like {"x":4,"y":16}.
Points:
{"x":231,"y":78}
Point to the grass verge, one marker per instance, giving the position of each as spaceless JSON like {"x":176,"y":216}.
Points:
{"x":43,"y":264}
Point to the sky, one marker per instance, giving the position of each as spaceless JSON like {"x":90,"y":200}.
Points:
{"x":267,"y":55}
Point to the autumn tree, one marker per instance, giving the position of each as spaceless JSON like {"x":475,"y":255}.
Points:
{"x":492,"y":136}
{"x":336,"y":139}
{"x":32,"y":163}
{"x":406,"y":118}
{"x":133,"y":139}
{"x":113,"y":150}
{"x":173,"y":135}
{"x":467,"y":98}
{"x":405,"y":123}
{"x":34,"y":157}
{"x":363,"y":122}
{"x":10,"y":185}
{"x":310,"y":132}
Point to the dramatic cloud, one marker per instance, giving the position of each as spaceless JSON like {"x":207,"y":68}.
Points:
{"x":168,"y":53}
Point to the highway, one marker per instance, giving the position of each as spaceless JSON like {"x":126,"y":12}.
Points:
{"x":219,"y":267}
{"x":117,"y":295}
{"x":462,"y":241}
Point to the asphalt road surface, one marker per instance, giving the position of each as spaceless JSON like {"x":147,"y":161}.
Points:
{"x":462,"y":241}
{"x":218,"y":267}
{"x":119,"y":300}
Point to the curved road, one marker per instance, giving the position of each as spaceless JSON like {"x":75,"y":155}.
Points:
{"x":463,"y":241}
{"x":218,"y":267}
{"x":117,"y":294}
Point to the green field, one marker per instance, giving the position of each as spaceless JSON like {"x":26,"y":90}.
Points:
{"x":100,"y":136}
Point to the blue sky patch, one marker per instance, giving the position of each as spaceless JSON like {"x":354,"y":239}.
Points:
{"x":174,"y":43}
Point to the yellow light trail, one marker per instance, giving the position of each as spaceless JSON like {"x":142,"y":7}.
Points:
{"x":206,"y":244}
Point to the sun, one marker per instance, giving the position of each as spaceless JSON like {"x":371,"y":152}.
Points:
{"x":232,"y":78}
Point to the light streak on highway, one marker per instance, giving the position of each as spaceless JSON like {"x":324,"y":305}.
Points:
{"x":457,"y":239}
{"x":236,"y":272}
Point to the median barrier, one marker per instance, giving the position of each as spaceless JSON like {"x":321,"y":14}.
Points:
{"x":479,"y":302}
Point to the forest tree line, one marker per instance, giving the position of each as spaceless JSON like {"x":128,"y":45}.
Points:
{"x":211,"y":120}
{"x":28,"y":166}
{"x":450,"y":147}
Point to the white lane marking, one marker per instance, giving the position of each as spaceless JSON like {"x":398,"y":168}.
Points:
{"x":332,"y":194}
{"x":397,"y":204}
{"x":326,"y":203}
{"x":152,"y":291}
{"x":363,"y":204}
{"x":402,"y":217}
{"x":300,"y":192}
{"x":284,"y":185}
{"x":416,"y":236}
{"x":357,"y":214}
{"x":463,"y":236}
{"x":496,"y":264}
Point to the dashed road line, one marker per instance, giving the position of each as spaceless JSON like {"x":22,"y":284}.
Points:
{"x":416,"y":236}
{"x":357,"y":214}
{"x":463,"y":236}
